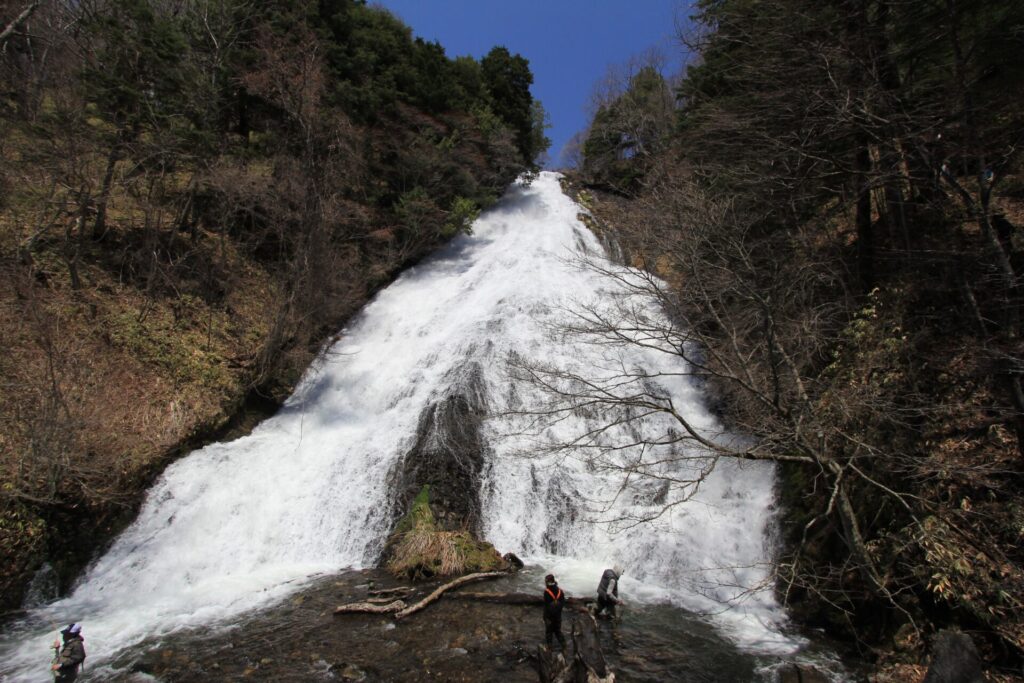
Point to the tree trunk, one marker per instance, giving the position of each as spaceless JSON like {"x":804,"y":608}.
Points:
{"x":18,"y":21}
{"x":865,"y":230}
{"x":99,"y":228}
{"x":73,"y":236}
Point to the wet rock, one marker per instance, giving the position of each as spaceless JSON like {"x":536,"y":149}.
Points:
{"x":801,"y":673}
{"x":513,"y":560}
{"x":348,"y":672}
{"x":448,"y":454}
{"x":954,"y":660}
{"x":141,"y":667}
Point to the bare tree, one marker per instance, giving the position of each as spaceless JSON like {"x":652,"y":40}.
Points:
{"x":738,"y":312}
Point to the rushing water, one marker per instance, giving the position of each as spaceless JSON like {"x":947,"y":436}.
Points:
{"x":237,"y":526}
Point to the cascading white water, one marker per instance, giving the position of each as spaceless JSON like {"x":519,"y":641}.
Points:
{"x":234,"y":526}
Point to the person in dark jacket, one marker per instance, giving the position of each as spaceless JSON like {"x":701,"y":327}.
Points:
{"x":554,"y":601}
{"x":71,"y":655}
{"x":608,"y":592}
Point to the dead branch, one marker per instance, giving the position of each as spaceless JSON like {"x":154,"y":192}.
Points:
{"x":441,"y":590}
{"x":370,"y":608}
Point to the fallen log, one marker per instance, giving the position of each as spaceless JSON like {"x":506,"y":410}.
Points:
{"x":588,"y":659}
{"x":551,"y":666}
{"x":370,"y":607}
{"x":441,"y":590}
{"x":587,"y":664}
{"x":516,"y":598}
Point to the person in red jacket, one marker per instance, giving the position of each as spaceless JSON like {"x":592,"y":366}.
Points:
{"x":554,"y":601}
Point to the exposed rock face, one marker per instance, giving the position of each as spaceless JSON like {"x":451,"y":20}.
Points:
{"x":954,"y":660}
{"x":448,"y":455}
{"x":436,"y":488}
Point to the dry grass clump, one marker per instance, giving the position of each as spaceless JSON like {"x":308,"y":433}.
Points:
{"x":426,"y":553}
{"x":420,"y":550}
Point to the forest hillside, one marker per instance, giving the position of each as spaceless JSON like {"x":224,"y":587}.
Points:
{"x":832,"y":199}
{"x":194,"y":195}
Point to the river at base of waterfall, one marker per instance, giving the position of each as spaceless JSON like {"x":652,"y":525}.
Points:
{"x":301,"y":639}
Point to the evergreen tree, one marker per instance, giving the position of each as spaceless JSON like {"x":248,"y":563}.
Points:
{"x":508,"y":79}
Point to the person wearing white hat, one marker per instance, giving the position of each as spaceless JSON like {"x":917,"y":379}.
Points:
{"x":69,"y":656}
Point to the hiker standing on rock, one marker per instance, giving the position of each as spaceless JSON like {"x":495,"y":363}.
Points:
{"x":554,"y":601}
{"x":70,"y":656}
{"x":608,"y":592}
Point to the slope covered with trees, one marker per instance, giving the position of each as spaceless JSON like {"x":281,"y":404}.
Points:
{"x":835,"y":215}
{"x":195,"y":194}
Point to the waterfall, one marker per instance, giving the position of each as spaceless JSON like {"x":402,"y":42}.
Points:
{"x":237,"y":525}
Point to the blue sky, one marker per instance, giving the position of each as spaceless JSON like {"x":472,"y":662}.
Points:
{"x":570,"y":43}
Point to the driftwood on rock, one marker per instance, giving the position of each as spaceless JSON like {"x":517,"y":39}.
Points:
{"x":400,"y":609}
{"x":370,"y":607}
{"x":441,"y":590}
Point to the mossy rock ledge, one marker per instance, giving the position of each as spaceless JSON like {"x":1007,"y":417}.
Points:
{"x":419,"y":548}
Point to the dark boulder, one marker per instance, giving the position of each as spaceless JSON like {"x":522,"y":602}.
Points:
{"x":513,"y":560}
{"x":801,"y":673}
{"x":954,"y":660}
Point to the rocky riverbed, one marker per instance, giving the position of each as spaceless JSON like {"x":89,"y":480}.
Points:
{"x":301,"y":639}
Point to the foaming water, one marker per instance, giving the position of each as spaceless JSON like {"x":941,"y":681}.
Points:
{"x":235,"y":526}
